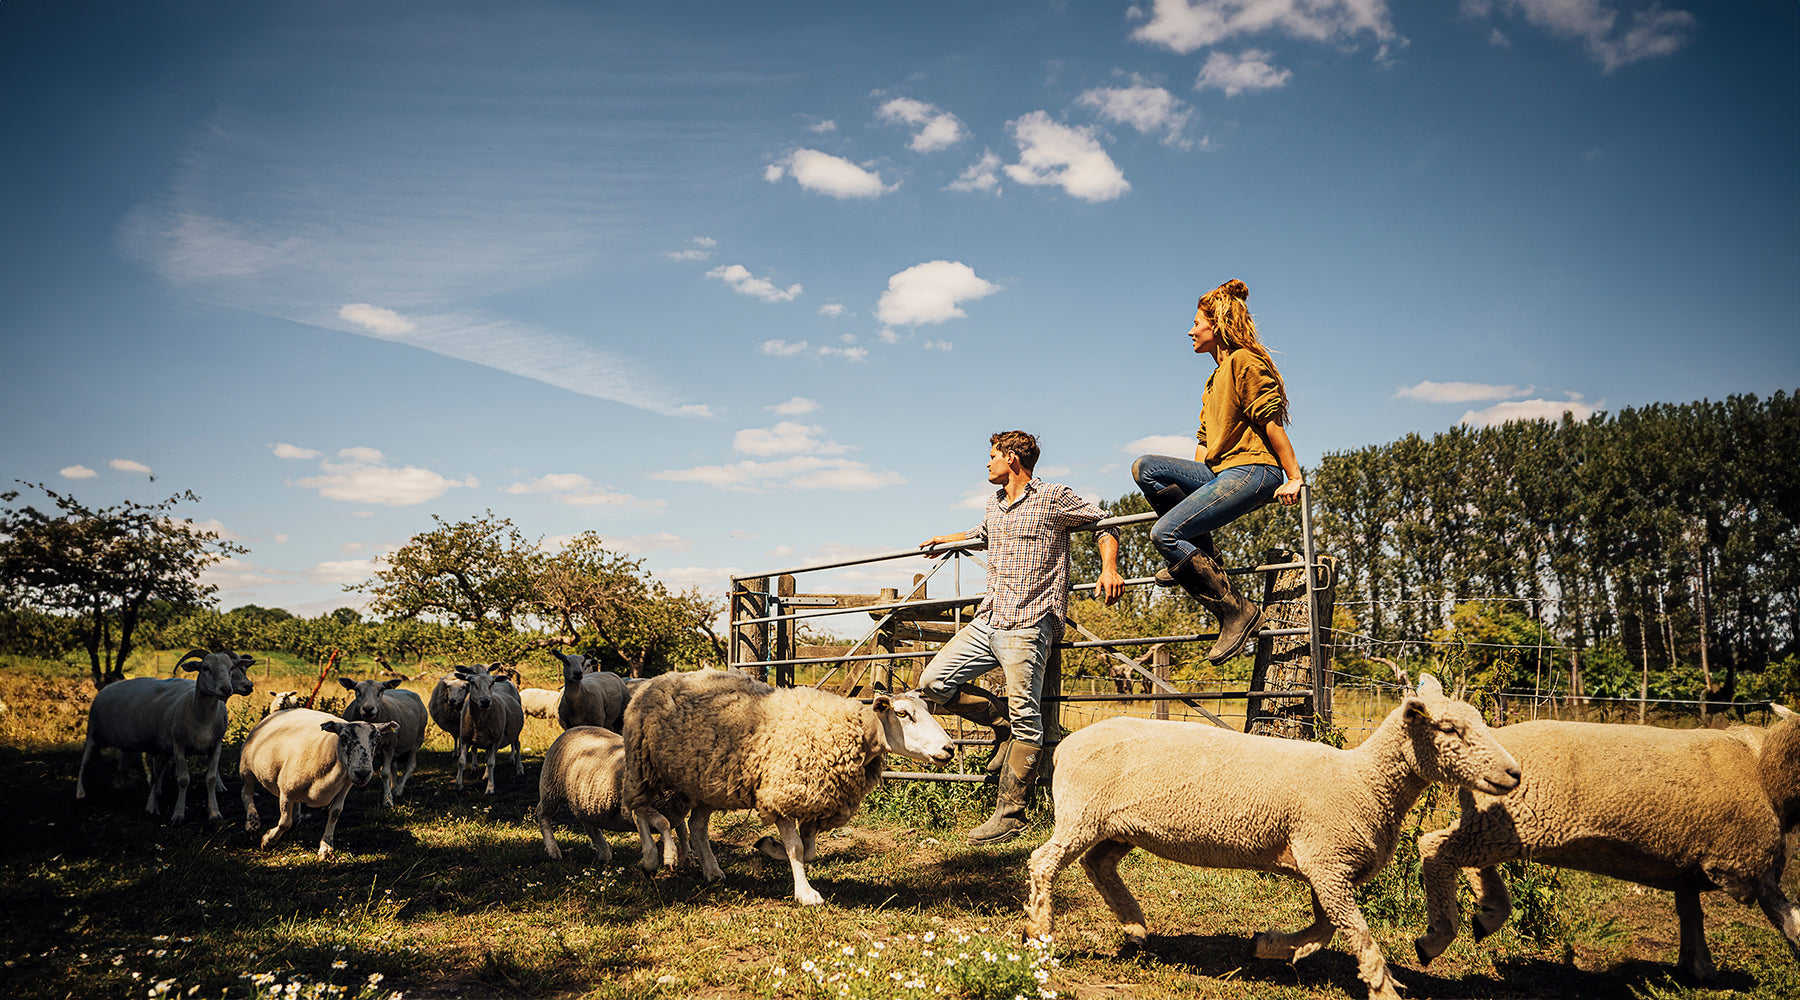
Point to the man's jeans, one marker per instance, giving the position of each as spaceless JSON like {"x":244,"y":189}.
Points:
{"x":1213,"y":501}
{"x":1022,"y":653}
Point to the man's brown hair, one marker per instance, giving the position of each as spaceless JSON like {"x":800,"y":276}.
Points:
{"x":1017,"y":443}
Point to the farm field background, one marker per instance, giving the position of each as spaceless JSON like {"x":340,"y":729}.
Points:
{"x":450,"y":894}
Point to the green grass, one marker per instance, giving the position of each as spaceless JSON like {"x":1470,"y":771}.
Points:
{"x":450,"y":894}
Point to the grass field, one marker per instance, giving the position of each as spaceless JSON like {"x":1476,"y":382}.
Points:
{"x":451,"y":895}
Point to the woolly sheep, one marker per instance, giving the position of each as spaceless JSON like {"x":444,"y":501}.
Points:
{"x":492,"y":717}
{"x":540,"y":703}
{"x":305,"y":757}
{"x":803,"y":759}
{"x":590,"y":696}
{"x":446,"y":704}
{"x":385,"y":701}
{"x":585,"y":770}
{"x":1683,"y":810}
{"x":280,"y":701}
{"x":169,"y":719}
{"x":1211,"y":797}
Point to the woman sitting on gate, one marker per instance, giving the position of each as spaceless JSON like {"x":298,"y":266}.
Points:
{"x":1239,"y":463}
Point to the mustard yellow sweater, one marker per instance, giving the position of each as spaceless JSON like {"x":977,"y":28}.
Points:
{"x":1240,"y":397}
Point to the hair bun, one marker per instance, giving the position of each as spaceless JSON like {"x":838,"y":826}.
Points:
{"x":1236,"y":289}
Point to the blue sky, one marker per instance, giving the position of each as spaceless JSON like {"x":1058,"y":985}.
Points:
{"x":743,"y":286}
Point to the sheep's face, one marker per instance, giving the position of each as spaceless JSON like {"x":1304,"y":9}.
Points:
{"x":241,"y":685}
{"x":280,"y":700}
{"x":1451,"y":743}
{"x":480,"y":692}
{"x":357,"y":745}
{"x":366,"y":706}
{"x":213,"y":673}
{"x":908,"y":729}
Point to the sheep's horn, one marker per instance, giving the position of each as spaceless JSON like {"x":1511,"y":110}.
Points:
{"x":192,"y":654}
{"x":559,"y":654}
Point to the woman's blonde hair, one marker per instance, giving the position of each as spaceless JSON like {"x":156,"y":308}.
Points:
{"x":1227,"y":309}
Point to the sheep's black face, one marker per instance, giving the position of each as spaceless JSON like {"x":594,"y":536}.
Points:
{"x":357,"y":745}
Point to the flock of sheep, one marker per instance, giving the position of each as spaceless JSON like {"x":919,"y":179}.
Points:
{"x":1683,"y":810}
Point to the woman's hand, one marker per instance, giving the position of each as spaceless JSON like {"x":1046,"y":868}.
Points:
{"x":1289,"y":492}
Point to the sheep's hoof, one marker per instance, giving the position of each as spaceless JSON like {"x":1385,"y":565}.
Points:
{"x":810,"y":897}
{"x":1425,"y":957}
{"x":1480,"y":930}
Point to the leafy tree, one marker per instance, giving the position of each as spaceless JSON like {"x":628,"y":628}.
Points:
{"x":107,"y":567}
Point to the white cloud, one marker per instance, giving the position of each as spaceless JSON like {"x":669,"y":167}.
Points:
{"x":781,"y":348}
{"x":234,"y":575}
{"x":1528,"y":409}
{"x":794,"y":407}
{"x":1051,"y":153}
{"x":1249,"y":70}
{"x":77,"y":472}
{"x":937,"y":129}
{"x":822,"y":127}
{"x":341,"y":571}
{"x":982,"y":175}
{"x":744,"y":283}
{"x":1150,"y":110}
{"x":127,"y":465}
{"x":376,"y":320}
{"x":785,"y":438}
{"x":363,"y":476}
{"x":1458,"y":392}
{"x":284,"y":450}
{"x":657,"y":541}
{"x":701,"y":249}
{"x":801,"y":472}
{"x":1653,"y":30}
{"x":975,"y":499}
{"x":1185,"y":26}
{"x":1177,"y":445}
{"x":826,"y":174}
{"x":577,"y":490}
{"x":351,"y":548}
{"x":937,"y":345}
{"x":280,"y":538}
{"x":931,"y":293}
{"x":217,"y":527}
{"x":832,"y":309}
{"x":848,"y":353}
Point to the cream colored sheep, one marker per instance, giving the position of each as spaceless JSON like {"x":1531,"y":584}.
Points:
{"x":280,"y":701}
{"x":803,"y":759}
{"x":1684,"y":810}
{"x":385,"y":701}
{"x":169,"y":718}
{"x":492,"y":717}
{"x":590,"y":696}
{"x":305,"y":757}
{"x":445,"y":705}
{"x":1211,"y":797}
{"x":540,"y":703}
{"x":585,"y":770}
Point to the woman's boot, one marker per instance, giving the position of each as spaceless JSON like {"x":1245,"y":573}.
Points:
{"x":1015,"y":794}
{"x":1200,"y":576}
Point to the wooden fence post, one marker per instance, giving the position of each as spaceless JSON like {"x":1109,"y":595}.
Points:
{"x":1159,"y":662}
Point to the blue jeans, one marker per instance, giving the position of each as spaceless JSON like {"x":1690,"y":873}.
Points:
{"x":1022,"y":653}
{"x":1211,"y":501}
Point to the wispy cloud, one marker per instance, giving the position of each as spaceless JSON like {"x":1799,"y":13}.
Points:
{"x":785,"y":438}
{"x":127,"y":465}
{"x":1065,"y":156}
{"x":700,"y":248}
{"x":936,"y":129}
{"x":362,"y":475}
{"x":1527,"y":409}
{"x":1178,"y":445}
{"x":801,"y":472}
{"x":794,"y":407}
{"x":781,"y":348}
{"x":77,"y":472}
{"x":1150,"y":110}
{"x":825,"y":174}
{"x":579,"y":491}
{"x":1185,"y":26}
{"x":291,"y":451}
{"x":1458,"y":392}
{"x":744,"y":283}
{"x":931,"y":292}
{"x":1248,"y":70}
{"x":832,"y":309}
{"x":982,"y":175}
{"x":1652,"y":30}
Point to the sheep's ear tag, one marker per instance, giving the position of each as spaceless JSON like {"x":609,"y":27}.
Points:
{"x":1417,"y":709}
{"x":329,"y":727}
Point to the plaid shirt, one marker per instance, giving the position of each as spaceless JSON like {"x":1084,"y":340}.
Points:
{"x":1028,"y":552}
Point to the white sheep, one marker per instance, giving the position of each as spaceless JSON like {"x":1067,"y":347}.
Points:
{"x":305,"y":757}
{"x":386,"y":701}
{"x":446,"y":704}
{"x":169,"y":718}
{"x":585,"y":770}
{"x":1211,"y":797}
{"x":540,"y":703}
{"x":803,"y":759}
{"x":281,"y":701}
{"x":492,"y":717}
{"x":1684,"y":810}
{"x":590,"y":696}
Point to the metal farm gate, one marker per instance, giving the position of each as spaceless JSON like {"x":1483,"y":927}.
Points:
{"x":1288,"y":694}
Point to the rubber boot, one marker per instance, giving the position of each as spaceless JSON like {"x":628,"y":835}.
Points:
{"x":1204,"y":543}
{"x":985,"y":708}
{"x":1200,"y":576}
{"x":1015,"y":792}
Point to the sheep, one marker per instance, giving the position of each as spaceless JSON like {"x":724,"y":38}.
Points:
{"x":280,"y":701}
{"x":446,"y":704}
{"x":1215,"y":798}
{"x":1683,"y":810}
{"x":305,"y":757}
{"x":590,"y":696}
{"x":492,"y":717}
{"x":802,"y":758}
{"x":540,"y":703}
{"x":585,"y":770}
{"x":386,"y":701}
{"x":169,"y":719}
